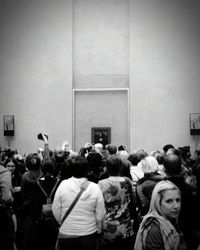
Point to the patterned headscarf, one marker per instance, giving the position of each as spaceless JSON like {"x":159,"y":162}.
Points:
{"x":169,"y":234}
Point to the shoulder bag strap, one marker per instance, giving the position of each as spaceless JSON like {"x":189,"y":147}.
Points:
{"x":44,"y":192}
{"x":53,"y":189}
{"x":40,"y":186}
{"x":83,"y":188}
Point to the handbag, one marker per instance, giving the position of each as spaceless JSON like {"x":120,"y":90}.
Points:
{"x":84,"y":186}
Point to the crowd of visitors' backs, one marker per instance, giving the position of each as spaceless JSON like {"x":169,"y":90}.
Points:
{"x":102,"y":197}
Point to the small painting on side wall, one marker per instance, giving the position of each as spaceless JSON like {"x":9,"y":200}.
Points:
{"x":101,"y":135}
{"x":8,"y":125}
{"x":195,"y":123}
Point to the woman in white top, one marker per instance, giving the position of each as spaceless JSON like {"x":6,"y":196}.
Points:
{"x":81,"y":227}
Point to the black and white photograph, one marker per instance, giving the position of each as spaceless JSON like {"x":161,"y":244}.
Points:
{"x":99,"y":124}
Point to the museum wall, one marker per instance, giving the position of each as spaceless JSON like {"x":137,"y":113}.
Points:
{"x":48,"y":48}
{"x":36,"y":71}
{"x":101,"y":61}
{"x":164,"y":72}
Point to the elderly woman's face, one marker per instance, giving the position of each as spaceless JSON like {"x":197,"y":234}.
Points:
{"x":171,"y":204}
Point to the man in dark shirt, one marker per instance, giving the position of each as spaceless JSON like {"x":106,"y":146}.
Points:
{"x":189,"y":222}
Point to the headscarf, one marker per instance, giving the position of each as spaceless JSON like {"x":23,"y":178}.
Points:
{"x":169,"y":234}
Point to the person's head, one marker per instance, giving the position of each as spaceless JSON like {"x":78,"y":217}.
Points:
{"x":59,"y":154}
{"x":113,"y":165}
{"x":122,"y":147}
{"x":172,"y":164}
{"x":95,"y":161}
{"x":167,"y":147}
{"x":85,"y":150}
{"x":98,"y":147}
{"x":48,"y":168}
{"x":125,"y":169}
{"x":33,"y":161}
{"x":185,"y":153}
{"x":133,"y":158}
{"x":173,"y":151}
{"x":11,"y":166}
{"x":88,"y":146}
{"x":149,"y":164}
{"x":11,"y":152}
{"x":123,"y":154}
{"x":112,"y":149}
{"x":141,"y":154}
{"x":79,"y":166}
{"x":66,"y":167}
{"x":166,"y":200}
{"x":158,"y":155}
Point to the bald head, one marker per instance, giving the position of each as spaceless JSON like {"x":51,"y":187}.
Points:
{"x":172,"y":164}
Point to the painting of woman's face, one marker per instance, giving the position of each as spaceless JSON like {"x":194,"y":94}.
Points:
{"x":171,"y":204}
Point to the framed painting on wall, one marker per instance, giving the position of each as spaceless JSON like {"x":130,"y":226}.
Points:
{"x":195,"y":123}
{"x":101,"y":135}
{"x":8,"y":125}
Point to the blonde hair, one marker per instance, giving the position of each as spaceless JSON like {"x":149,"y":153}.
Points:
{"x":157,"y":196}
{"x":123,"y":154}
{"x":149,"y":164}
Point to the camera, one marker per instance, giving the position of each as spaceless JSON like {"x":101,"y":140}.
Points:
{"x":40,"y":136}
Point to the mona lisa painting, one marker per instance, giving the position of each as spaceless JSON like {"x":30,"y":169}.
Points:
{"x":101,"y":135}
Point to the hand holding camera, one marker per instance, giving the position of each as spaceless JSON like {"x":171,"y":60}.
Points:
{"x":43,"y":137}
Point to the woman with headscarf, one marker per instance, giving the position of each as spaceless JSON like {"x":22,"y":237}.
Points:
{"x":158,"y":229}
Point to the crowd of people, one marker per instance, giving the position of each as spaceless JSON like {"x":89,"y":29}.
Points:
{"x":100,"y":198}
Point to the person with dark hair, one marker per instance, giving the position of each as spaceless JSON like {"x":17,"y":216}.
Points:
{"x":167,"y":147}
{"x":86,"y":149}
{"x":80,"y":167}
{"x":189,"y":219}
{"x":111,"y":149}
{"x":43,"y":191}
{"x":66,"y":168}
{"x":33,"y":164}
{"x":196,"y":170}
{"x":34,"y":173}
{"x":80,"y":229}
{"x":16,"y":169}
{"x":10,"y":154}
{"x":122,"y":148}
{"x":119,"y":196}
{"x":133,"y":158}
{"x":95,"y":171}
{"x":126,"y":168}
{"x":135,"y":170}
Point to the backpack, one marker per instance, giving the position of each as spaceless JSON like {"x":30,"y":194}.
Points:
{"x":47,"y":207}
